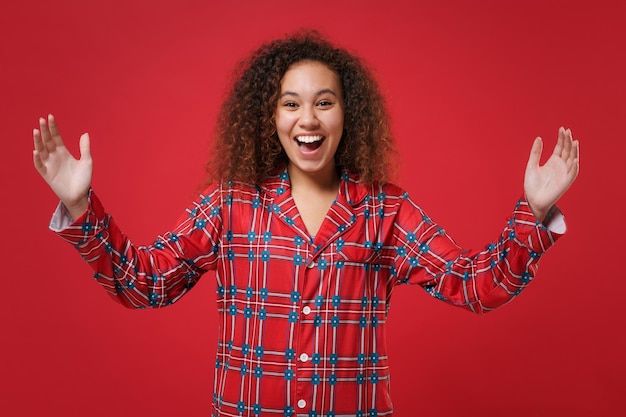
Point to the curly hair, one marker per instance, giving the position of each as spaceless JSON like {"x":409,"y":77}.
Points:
{"x":246,"y":146}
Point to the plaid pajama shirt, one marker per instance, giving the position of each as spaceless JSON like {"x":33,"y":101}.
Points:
{"x":302,"y":319}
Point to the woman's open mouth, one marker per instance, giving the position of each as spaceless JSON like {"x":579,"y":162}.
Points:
{"x":309,"y":142}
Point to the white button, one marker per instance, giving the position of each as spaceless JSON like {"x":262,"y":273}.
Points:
{"x":304,"y":357}
{"x":311,"y":265}
{"x":306,"y":310}
{"x":301,"y":403}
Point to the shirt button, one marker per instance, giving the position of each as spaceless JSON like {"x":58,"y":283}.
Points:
{"x":306,"y":310}
{"x":304,"y":357}
{"x":301,"y":403}
{"x":311,"y":265}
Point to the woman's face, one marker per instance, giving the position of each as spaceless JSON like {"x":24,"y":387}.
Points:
{"x":309,"y":119}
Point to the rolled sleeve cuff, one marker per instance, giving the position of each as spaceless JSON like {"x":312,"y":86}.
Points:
{"x":61,"y":219}
{"x":86,"y":226}
{"x":533,"y":234}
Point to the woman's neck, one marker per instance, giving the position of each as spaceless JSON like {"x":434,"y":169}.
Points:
{"x":313,"y":183}
{"x":313,"y":195}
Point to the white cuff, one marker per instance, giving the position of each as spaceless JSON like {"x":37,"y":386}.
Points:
{"x":61,"y":219}
{"x":556,"y":223}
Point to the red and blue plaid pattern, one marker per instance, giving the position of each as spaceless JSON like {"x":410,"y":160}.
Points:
{"x":302,"y":318}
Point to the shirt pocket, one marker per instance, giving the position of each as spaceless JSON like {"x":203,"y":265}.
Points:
{"x":358,"y":256}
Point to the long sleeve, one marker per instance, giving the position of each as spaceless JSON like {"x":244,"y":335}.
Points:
{"x":303,"y":319}
{"x":147,"y":276}
{"x":476,"y":280}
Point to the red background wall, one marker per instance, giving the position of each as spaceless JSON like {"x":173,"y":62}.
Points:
{"x":469,"y":85}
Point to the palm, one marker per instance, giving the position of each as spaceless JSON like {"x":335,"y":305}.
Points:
{"x":69,"y":178}
{"x":545,"y":184}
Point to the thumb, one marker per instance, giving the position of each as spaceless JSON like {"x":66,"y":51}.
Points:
{"x":85,"y":147}
{"x":535,"y":153}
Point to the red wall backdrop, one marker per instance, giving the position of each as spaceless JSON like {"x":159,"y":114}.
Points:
{"x":469,"y":85}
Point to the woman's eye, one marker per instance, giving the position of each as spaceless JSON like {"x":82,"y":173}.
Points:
{"x":324,"y":103}
{"x":290,"y":104}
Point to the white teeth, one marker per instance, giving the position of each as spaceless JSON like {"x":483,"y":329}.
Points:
{"x":309,"y":139}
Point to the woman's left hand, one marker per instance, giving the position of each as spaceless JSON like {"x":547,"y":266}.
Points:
{"x":545,"y":184}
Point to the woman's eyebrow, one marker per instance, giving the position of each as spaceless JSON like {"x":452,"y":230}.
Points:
{"x":319,"y":93}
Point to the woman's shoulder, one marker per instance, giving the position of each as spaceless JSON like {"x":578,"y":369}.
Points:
{"x":225,"y":191}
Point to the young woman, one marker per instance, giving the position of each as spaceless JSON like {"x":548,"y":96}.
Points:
{"x":307,"y":237}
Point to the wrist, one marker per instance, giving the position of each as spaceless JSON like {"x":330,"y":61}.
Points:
{"x":540,"y":213}
{"x":76,"y":208}
{"x":543,"y":216}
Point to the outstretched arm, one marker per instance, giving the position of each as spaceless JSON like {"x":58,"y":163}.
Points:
{"x":545,"y":184}
{"x":68,"y":177}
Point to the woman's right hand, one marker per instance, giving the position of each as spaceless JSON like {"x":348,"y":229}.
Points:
{"x":69,"y":178}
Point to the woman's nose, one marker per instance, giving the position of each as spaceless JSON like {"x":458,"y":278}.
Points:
{"x":308,"y":118}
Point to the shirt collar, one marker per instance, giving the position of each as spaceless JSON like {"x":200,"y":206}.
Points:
{"x":351,"y":189}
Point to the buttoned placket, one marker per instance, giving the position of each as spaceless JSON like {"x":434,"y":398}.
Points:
{"x":344,"y":217}
{"x":302,"y":356}
{"x":302,"y":388}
